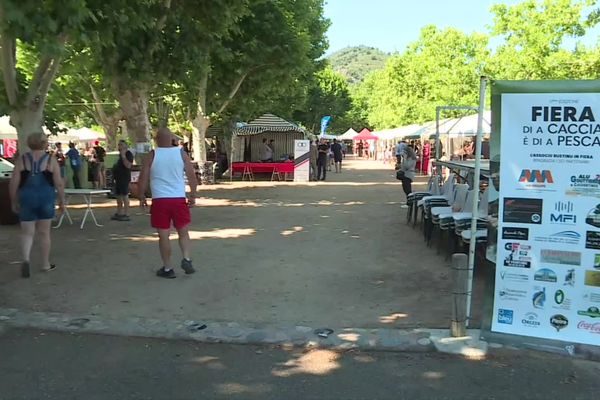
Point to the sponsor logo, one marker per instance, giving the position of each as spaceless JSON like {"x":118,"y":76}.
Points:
{"x":531,"y":320}
{"x":523,"y":211}
{"x":515,"y":233}
{"x":536,"y":179}
{"x":560,"y":257}
{"x":561,"y":302}
{"x":584,"y":185}
{"x":570,"y":278}
{"x":593,"y":217}
{"x":566,"y":219}
{"x":513,"y":277}
{"x":592,"y":240}
{"x":592,"y":297}
{"x":545,"y":275}
{"x":518,"y":256}
{"x":593,"y":312}
{"x":536,"y":176}
{"x":539,"y":298}
{"x":592,"y":278}
{"x":505,"y":316}
{"x":559,"y":297}
{"x":564,"y":206}
{"x":563,"y":213}
{"x":586,"y":326}
{"x":564,"y":237}
{"x":512,"y":294}
{"x":597,"y":261}
{"x":559,"y":322}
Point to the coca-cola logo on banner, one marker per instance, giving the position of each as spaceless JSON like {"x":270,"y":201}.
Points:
{"x":586,"y":326}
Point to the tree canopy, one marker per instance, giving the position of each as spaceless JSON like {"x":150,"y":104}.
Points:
{"x":190,"y":64}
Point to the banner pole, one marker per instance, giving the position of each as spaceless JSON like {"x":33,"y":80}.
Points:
{"x":476,"y":182}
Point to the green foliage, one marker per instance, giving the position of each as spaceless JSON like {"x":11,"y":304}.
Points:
{"x":533,"y":34}
{"x":441,"y":67}
{"x":37,"y":32}
{"x":274,"y":49}
{"x":328,"y":95}
{"x":354,"y":63}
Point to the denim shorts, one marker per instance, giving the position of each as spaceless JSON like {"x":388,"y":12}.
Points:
{"x":34,"y":207}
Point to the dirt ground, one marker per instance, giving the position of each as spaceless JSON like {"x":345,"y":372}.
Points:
{"x":335,"y":253}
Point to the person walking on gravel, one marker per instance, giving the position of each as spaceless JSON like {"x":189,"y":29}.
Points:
{"x":164,"y":169}
{"x":33,"y":188}
{"x":122,"y":177}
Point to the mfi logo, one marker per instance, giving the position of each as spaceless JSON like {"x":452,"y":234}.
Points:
{"x":536,"y":176}
{"x":564,"y":213}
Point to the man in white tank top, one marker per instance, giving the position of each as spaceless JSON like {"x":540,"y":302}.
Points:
{"x":164,"y":168}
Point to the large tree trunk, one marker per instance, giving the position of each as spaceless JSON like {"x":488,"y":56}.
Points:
{"x":201,"y":124}
{"x":111,"y":131}
{"x":26,"y":121}
{"x":134,"y":104}
{"x":110,"y":123}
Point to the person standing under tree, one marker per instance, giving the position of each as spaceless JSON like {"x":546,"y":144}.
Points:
{"x":33,"y":187}
{"x":122,"y":177}
{"x":75,"y":162}
{"x":100,"y":169}
{"x":164,"y":169}
{"x":322,"y":160}
{"x":60,"y":158}
{"x":314,"y":155}
{"x":407,"y":170}
{"x":336,"y":148}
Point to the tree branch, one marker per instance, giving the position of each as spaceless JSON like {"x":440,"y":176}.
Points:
{"x":97,"y":106}
{"x":48,"y":78}
{"x":202,"y":94}
{"x":236,"y":87}
{"x":9,"y":64}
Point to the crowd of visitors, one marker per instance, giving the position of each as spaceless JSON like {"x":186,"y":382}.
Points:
{"x":323,"y":155}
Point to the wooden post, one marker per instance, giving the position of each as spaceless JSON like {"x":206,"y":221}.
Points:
{"x":460,"y":272}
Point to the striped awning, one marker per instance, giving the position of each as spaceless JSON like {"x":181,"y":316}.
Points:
{"x":267,"y":123}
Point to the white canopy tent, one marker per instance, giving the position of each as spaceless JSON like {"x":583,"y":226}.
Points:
{"x":348,"y":135}
{"x":7,"y":131}
{"x":87,"y":134}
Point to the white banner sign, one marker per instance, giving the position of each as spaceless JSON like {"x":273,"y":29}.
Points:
{"x":301,"y":160}
{"x":548,"y":250}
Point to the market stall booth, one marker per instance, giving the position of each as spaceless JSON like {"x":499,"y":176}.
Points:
{"x":247,"y":143}
{"x":364,"y":144}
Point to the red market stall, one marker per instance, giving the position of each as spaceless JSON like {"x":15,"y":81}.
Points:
{"x":364,"y":144}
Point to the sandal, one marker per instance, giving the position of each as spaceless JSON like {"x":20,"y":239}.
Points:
{"x":52,"y":268}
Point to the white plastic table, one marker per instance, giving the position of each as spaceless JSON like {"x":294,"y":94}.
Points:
{"x":87,"y":195}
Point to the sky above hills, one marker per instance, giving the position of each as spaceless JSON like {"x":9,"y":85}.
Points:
{"x":391,"y":25}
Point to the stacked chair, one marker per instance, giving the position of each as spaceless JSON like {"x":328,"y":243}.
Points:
{"x":449,"y":209}
{"x":441,"y":217}
{"x":428,"y":202}
{"x":462,"y":225}
{"x":433,"y":188}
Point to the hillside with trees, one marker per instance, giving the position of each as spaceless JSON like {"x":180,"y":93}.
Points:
{"x":354,"y":63}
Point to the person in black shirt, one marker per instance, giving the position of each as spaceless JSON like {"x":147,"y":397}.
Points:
{"x":322,"y":160}
{"x":122,"y":177}
{"x":99,"y":154}
{"x":336,"y":148}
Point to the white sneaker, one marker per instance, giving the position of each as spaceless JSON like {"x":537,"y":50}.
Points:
{"x":404,"y":206}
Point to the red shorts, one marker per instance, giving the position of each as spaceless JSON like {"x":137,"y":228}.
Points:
{"x":163,"y":211}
